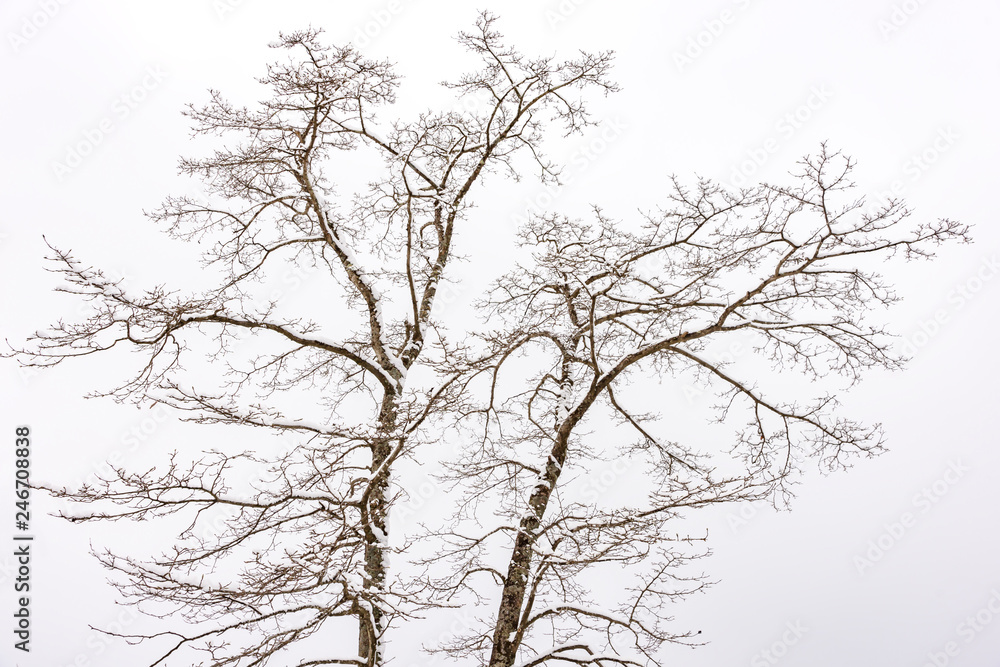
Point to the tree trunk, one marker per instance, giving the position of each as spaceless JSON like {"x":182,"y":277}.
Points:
{"x":376,"y":535}
{"x":505,"y":637}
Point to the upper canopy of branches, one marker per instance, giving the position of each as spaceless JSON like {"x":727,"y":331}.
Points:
{"x":270,"y":204}
{"x":794,"y":267}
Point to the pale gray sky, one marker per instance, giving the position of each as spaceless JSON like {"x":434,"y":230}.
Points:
{"x":884,"y":564}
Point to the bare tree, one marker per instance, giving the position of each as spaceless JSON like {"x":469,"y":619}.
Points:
{"x":794,"y":268}
{"x":305,"y":537}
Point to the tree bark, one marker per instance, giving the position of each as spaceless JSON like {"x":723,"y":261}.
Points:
{"x":506,"y":638}
{"x":376,"y":533}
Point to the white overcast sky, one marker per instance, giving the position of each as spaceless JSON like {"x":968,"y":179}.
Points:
{"x":908,"y":88}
